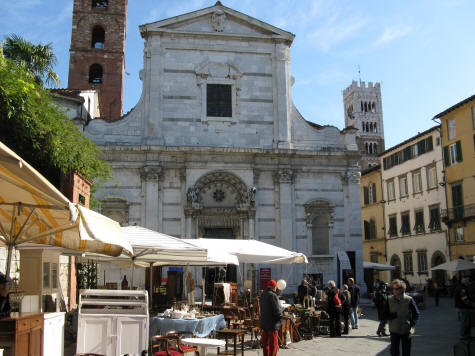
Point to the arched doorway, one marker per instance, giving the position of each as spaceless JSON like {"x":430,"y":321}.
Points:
{"x":221,"y":206}
{"x":396,"y":262}
{"x":439,"y":276}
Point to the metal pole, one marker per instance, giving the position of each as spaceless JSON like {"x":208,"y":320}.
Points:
{"x":132,"y":277}
{"x":151,"y":285}
{"x":9,"y":260}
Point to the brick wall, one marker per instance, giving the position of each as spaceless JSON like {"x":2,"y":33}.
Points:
{"x":111,"y":58}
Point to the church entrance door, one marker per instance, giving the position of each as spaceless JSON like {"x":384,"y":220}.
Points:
{"x":223,"y":273}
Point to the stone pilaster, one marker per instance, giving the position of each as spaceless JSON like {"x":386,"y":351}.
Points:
{"x":151,"y":176}
{"x":284,"y":179}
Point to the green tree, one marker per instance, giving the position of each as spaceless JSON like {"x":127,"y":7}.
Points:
{"x":37,"y":58}
{"x":32,"y":126}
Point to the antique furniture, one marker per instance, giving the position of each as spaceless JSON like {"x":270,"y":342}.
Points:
{"x":204,"y":344}
{"x":107,"y":317}
{"x":199,"y":327}
{"x":235,"y":335}
{"x":21,"y":334}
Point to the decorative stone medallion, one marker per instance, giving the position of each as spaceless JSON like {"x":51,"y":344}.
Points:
{"x":218,"y":195}
{"x":218,"y":20}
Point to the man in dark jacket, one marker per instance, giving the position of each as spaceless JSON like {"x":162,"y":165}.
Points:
{"x":270,"y":319}
{"x":464,"y":305}
{"x":4,"y":300}
{"x":355,"y":301}
{"x":402,"y":313}
{"x":334,"y":309}
{"x":380,"y":300}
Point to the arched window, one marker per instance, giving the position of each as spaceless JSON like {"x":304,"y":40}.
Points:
{"x":370,"y":148}
{"x":362,"y":107}
{"x":98,"y":37}
{"x":99,"y":4}
{"x":95,"y":73}
{"x":367,"y":127}
{"x":375,"y":128}
{"x":366,"y":147}
{"x":365,"y":107}
{"x":373,"y":107}
{"x":375,"y":148}
{"x":371,"y":127}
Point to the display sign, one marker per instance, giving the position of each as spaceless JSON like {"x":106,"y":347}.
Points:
{"x":264,"y":277}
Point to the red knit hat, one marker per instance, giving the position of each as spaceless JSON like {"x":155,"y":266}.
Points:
{"x":271,"y":284}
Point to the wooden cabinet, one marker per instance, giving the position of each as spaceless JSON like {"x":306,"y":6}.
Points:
{"x":21,"y":334}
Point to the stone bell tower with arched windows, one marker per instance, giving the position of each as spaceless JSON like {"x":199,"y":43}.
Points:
{"x":96,"y":58}
{"x":364,"y":111}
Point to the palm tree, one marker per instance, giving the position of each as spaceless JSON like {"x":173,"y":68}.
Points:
{"x":38,"y":59}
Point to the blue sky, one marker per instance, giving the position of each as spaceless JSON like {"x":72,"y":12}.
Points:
{"x":422,"y":51}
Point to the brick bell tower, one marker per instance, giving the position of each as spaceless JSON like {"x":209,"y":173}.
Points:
{"x":96,"y":59}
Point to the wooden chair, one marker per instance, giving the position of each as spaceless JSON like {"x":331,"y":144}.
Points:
{"x":183,"y":348}
{"x":161,"y":346}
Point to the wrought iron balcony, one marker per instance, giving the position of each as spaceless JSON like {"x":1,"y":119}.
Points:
{"x":459,"y":213}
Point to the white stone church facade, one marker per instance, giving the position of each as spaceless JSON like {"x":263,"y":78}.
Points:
{"x":216,"y":148}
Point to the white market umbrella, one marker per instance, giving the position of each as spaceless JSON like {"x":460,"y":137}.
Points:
{"x":33,"y":210}
{"x":378,"y":266}
{"x":455,"y":266}
{"x":252,"y":251}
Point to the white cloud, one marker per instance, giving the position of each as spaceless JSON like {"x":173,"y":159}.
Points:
{"x":391,"y":34}
{"x":336,"y":30}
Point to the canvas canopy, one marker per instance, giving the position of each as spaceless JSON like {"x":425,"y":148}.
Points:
{"x":252,"y":251}
{"x":378,"y":266}
{"x":455,"y":265}
{"x":161,"y":249}
{"x":33,"y":210}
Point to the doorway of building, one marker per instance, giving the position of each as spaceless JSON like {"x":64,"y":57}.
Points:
{"x":226,"y":273}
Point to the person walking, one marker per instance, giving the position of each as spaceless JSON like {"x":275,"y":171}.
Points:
{"x":436,"y":291}
{"x":380,"y":300}
{"x":334,"y":309}
{"x":402,"y":313}
{"x":346,"y":308}
{"x":303,"y":290}
{"x":464,"y":305}
{"x":270,"y":319}
{"x":355,"y":301}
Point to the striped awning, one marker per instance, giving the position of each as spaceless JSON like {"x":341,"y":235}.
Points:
{"x":33,"y":210}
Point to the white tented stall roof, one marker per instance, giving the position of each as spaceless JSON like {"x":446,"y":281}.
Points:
{"x":252,"y":251}
{"x":378,"y":266}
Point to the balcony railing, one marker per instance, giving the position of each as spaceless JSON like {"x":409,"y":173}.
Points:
{"x":458,"y":213}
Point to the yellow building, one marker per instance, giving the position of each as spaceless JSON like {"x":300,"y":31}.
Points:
{"x":458,"y":139}
{"x":372,"y":221}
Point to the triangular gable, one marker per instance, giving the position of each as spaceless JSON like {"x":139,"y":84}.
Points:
{"x":217,"y":19}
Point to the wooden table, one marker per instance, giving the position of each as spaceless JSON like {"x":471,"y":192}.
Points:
{"x":203,"y":344}
{"x":234,"y":334}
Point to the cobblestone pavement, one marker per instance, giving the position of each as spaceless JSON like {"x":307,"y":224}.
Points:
{"x":435,"y":334}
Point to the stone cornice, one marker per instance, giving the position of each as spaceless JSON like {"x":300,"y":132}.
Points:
{"x":228,"y":150}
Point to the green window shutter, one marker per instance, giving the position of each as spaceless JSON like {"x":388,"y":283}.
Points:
{"x":458,"y":144}
{"x":374,"y":193}
{"x":446,"y":156}
{"x":366,"y":195}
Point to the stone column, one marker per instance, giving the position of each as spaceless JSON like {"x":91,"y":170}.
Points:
{"x":150,"y":181}
{"x":284,"y":178}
